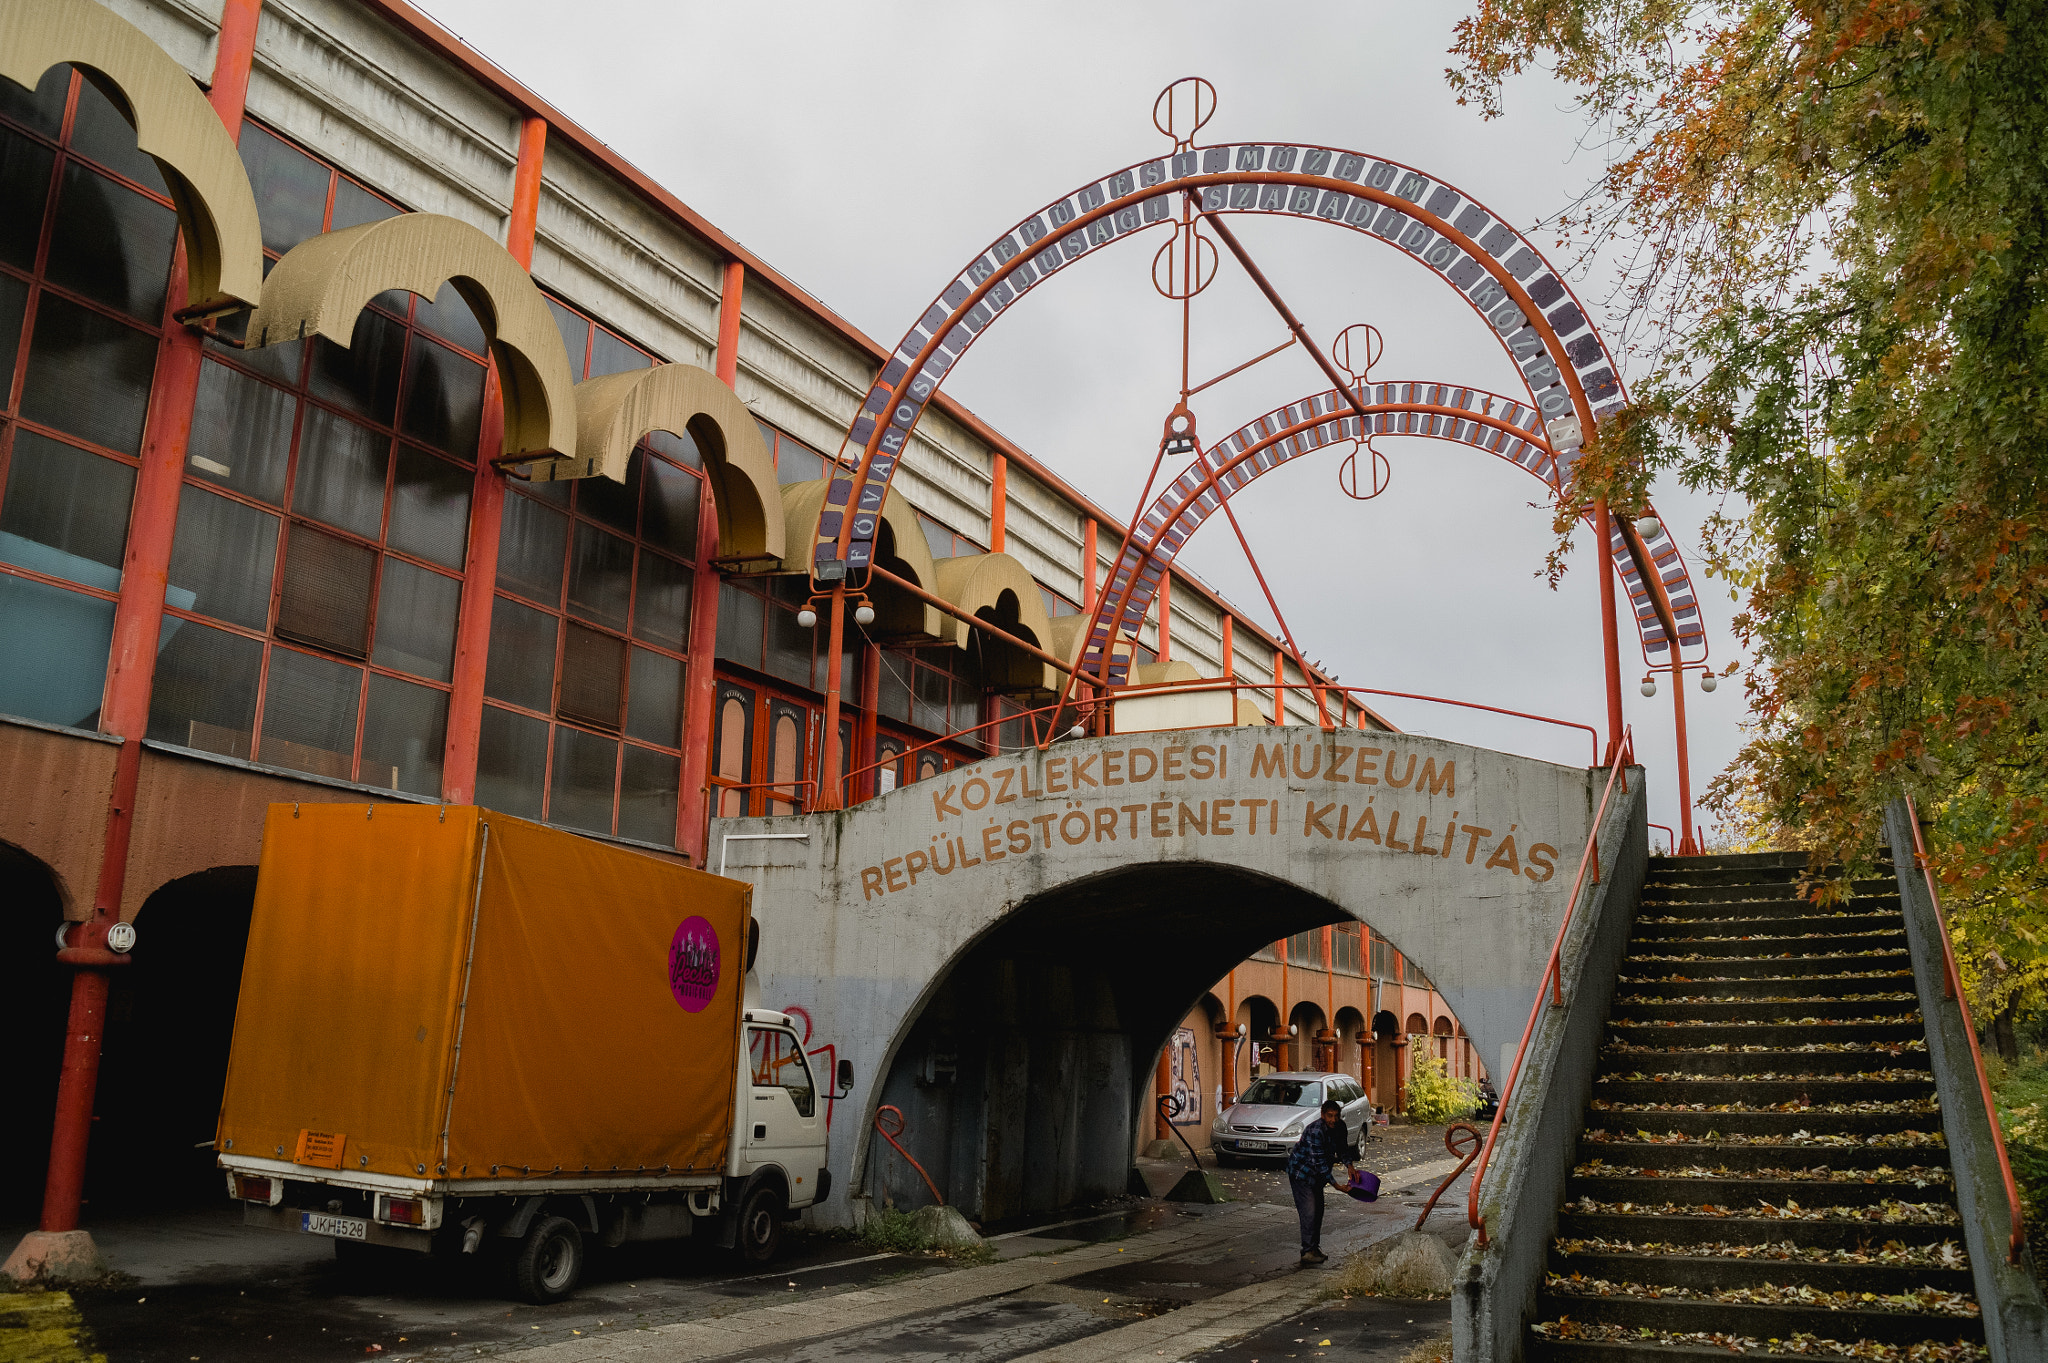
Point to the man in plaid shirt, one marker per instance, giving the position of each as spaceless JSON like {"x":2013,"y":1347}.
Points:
{"x":1321,"y":1146}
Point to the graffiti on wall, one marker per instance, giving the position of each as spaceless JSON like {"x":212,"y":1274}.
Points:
{"x":1187,"y":1078}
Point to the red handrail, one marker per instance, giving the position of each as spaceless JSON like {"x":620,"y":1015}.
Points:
{"x":1952,"y":981}
{"x":1553,"y":979}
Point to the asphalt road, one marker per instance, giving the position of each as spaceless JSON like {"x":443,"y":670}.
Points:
{"x":202,"y":1287}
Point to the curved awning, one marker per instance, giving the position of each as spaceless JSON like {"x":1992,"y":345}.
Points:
{"x":900,"y":548}
{"x":322,"y":285}
{"x":615,"y":412}
{"x":173,"y":123}
{"x":1004,"y":588}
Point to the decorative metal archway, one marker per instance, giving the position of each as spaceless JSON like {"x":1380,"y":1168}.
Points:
{"x":1569,"y":375}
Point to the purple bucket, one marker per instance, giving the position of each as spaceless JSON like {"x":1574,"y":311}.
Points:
{"x":1364,"y":1187}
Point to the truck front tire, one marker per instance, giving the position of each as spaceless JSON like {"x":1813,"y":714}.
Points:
{"x":760,"y":1228}
{"x":547,"y":1261}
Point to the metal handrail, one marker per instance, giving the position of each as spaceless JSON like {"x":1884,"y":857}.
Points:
{"x":1952,"y":981}
{"x":1553,"y":979}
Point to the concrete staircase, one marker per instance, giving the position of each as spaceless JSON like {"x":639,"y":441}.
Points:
{"x":1762,"y":1166}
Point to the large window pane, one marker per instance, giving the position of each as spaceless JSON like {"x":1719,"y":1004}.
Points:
{"x":405,"y":728}
{"x":363,"y":378}
{"x":225,"y":556}
{"x":575,"y":337}
{"x":789,"y":644}
{"x":42,"y":108}
{"x":13,"y":303}
{"x":325,"y":598}
{"x":416,"y":620}
{"x":670,"y":515}
{"x":522,"y":662}
{"x":593,"y":677}
{"x":654,"y":699}
{"x":430,"y":507}
{"x":647,"y":796}
{"x":616,"y":504}
{"x":450,"y":318}
{"x":610,"y":355}
{"x":88,"y":375}
{"x":241,"y":433}
{"x":444,"y":398}
{"x":204,"y":695}
{"x":740,"y":625}
{"x":511,"y":762}
{"x":309,"y":714}
{"x":54,"y":666}
{"x":291,"y":189}
{"x":111,"y":244}
{"x":580,"y":788}
{"x":98,"y":130}
{"x":531,"y":540}
{"x":354,"y":206}
{"x":341,"y":474}
{"x":66,"y":511}
{"x":661,"y":602}
{"x":601,"y":577}
{"x":24,"y":185}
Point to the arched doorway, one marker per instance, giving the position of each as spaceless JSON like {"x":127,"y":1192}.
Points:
{"x":1386,"y":1068}
{"x":170,"y":1017}
{"x":34,"y":998}
{"x":1022,"y":1073}
{"x":1260,"y":1017}
{"x":1306,"y":1021}
{"x":1351,"y":1039}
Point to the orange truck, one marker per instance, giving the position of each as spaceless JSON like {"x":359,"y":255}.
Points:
{"x":464,"y":1033}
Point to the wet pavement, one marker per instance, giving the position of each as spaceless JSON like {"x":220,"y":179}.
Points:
{"x":199,"y":1286}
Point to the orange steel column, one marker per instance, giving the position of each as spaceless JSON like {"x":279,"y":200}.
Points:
{"x":487,"y":507}
{"x":1088,"y":563}
{"x":1610,"y":645}
{"x":1687,"y":845}
{"x":1279,"y":687}
{"x":131,"y":667}
{"x":1163,"y":1129}
{"x":998,"y":504}
{"x":829,"y":763}
{"x":694,"y":814}
{"x":1165,"y":616}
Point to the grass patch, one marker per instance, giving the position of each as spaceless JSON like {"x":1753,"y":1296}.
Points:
{"x":2020,"y":1089}
{"x":889,"y":1231}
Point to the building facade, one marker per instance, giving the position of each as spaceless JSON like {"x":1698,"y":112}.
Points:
{"x":236,"y":571}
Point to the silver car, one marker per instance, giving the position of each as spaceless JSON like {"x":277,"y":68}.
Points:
{"x":1269,"y":1118}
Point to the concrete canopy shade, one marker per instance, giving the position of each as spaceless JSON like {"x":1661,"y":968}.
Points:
{"x":323,"y":283}
{"x":1069,"y":632}
{"x":616,"y":411}
{"x":172,"y":121}
{"x":998,"y":588}
{"x":900,"y":548}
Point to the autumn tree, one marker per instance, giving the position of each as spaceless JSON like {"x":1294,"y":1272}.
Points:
{"x":1829,"y":224}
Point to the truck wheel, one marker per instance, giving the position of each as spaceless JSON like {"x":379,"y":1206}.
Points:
{"x":548,"y":1261}
{"x":760,"y":1230}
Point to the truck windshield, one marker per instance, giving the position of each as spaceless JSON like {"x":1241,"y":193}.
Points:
{"x":778,"y":1062}
{"x":1284,"y":1093}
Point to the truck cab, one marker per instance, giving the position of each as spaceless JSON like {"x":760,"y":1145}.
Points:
{"x":777,"y":1166}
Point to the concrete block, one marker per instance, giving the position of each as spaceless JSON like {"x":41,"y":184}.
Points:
{"x":944,"y":1227}
{"x":1199,"y":1185}
{"x":1411,"y":1264}
{"x":1163,"y":1148}
{"x":61,"y":1256}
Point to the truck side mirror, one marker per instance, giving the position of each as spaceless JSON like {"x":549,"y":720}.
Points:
{"x":845,"y":1077}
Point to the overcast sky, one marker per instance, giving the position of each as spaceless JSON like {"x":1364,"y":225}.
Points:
{"x":869,"y":150}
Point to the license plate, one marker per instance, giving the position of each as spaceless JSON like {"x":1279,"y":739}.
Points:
{"x":1254,"y":1145}
{"x":340,"y":1227}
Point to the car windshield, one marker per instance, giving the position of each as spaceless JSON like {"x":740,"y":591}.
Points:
{"x":1284,"y":1093}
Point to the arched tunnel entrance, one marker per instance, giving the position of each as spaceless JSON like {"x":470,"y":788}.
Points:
{"x":1022,"y":1074}
{"x":35,"y":995}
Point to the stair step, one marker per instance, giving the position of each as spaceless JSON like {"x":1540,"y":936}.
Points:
{"x":1891,"y":1009}
{"x":1622,"y":1118}
{"x":1628,"y":1060}
{"x":1649,"y":929}
{"x":1734,"y":1196}
{"x":1776,"y":1095}
{"x":1745,"y":946}
{"x":1875,"y":986}
{"x":1836,"y":1234}
{"x":1642,"y":1350}
{"x":1864,"y":896}
{"x":1759,"y":1322}
{"x":1732,"y":860}
{"x":1742,"y":1158}
{"x":1778,"y":1032}
{"x":1782,"y":1270}
{"x":1757,"y":964}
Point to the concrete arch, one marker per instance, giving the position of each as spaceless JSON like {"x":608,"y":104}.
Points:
{"x":1230,"y":835}
{"x":1497,"y":271}
{"x":615,"y":412}
{"x":323,"y":283}
{"x":1002,"y":591}
{"x":173,"y":123}
{"x":900,"y":547}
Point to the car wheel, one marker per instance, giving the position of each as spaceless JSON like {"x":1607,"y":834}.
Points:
{"x":548,"y":1261}
{"x":760,"y":1229}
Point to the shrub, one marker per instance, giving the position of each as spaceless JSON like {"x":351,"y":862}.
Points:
{"x":1435,"y":1097}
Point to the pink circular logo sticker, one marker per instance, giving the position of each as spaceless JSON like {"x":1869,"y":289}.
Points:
{"x":693,"y":960}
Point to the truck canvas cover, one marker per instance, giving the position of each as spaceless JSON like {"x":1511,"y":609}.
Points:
{"x":455,"y":994}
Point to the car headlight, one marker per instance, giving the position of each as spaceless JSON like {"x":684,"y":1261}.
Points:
{"x":1293,"y":1127}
